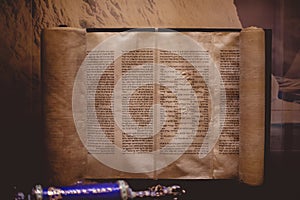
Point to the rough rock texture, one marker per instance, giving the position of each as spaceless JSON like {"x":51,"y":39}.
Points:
{"x":21,"y":23}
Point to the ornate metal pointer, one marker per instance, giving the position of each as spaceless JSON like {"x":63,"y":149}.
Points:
{"x":100,"y":191}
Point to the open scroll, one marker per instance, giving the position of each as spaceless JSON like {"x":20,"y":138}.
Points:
{"x":154,"y":103}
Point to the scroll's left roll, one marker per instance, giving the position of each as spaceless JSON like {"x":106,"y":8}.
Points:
{"x":65,"y":49}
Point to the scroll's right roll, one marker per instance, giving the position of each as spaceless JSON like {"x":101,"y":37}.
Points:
{"x":252,"y":106}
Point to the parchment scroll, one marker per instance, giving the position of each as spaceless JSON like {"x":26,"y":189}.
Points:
{"x":153,"y":104}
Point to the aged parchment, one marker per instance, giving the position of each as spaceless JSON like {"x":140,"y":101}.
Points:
{"x":154,"y":105}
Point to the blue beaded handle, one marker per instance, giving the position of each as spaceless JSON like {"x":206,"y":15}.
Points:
{"x":105,"y":191}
